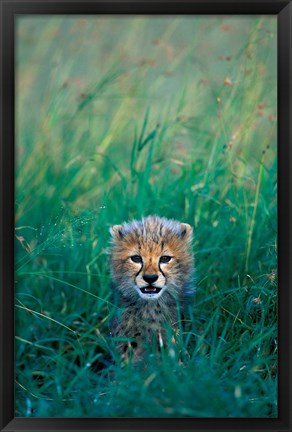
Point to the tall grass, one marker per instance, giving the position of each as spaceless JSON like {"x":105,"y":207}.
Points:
{"x":118,"y":118}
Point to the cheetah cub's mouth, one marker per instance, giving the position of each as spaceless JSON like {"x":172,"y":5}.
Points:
{"x":150,"y":289}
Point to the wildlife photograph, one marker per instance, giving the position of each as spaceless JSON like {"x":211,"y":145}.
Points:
{"x":146,"y":216}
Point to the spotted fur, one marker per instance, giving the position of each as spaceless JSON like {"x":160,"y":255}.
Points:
{"x":141,"y":251}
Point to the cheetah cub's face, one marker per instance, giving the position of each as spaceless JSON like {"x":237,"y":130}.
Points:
{"x":151,"y":258}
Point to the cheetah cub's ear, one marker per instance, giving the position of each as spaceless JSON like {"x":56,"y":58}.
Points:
{"x":186,"y":231}
{"x":117,"y":231}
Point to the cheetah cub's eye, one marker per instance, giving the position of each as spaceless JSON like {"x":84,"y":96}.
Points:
{"x":136,"y":258}
{"x":165,"y":259}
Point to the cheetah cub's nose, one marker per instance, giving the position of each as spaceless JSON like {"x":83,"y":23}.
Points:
{"x":150,"y":278}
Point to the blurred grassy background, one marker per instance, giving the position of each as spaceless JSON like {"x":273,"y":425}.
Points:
{"x":119,"y":117}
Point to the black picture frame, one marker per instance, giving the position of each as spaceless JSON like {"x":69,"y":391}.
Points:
{"x":9,"y":10}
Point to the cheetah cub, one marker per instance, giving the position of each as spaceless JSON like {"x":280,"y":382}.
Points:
{"x":152,"y":274}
